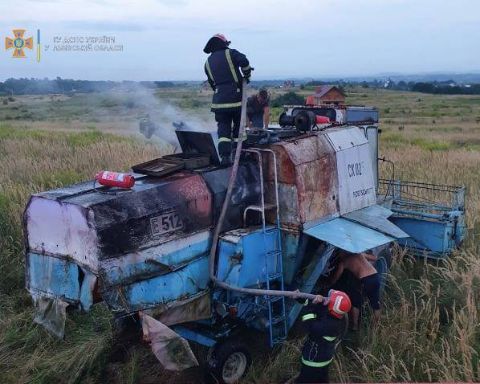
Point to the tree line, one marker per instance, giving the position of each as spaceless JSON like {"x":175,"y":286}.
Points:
{"x":448,"y":87}
{"x":25,"y":86}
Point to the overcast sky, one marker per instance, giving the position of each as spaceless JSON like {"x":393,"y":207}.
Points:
{"x":164,"y":39}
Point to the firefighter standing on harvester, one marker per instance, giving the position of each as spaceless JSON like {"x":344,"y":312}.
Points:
{"x":224,"y":69}
{"x":325,"y":323}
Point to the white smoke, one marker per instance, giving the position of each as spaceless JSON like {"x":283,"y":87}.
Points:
{"x":163,"y":114}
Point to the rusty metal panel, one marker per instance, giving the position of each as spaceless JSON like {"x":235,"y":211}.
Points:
{"x":317,"y":189}
{"x":288,"y":204}
{"x":301,"y":149}
{"x":285,"y":167}
{"x":308,"y":179}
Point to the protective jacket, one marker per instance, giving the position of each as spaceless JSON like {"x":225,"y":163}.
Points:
{"x":324,"y":334}
{"x":223,"y":72}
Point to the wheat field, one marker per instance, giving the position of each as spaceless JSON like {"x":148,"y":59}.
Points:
{"x":430,"y":329}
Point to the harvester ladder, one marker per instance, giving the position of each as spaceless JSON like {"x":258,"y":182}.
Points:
{"x":277,"y":319}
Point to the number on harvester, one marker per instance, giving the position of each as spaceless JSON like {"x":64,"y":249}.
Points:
{"x":165,"y":223}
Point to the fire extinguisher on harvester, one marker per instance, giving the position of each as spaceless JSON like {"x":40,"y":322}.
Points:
{"x":115,"y":179}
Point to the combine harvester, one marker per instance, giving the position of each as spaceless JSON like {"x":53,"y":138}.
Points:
{"x":302,"y":190}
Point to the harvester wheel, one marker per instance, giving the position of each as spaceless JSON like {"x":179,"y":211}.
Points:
{"x":229,"y":361}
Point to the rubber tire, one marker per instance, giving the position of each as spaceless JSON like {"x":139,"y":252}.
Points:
{"x":221,"y":352}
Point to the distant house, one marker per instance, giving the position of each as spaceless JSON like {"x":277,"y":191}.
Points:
{"x":326,"y":94}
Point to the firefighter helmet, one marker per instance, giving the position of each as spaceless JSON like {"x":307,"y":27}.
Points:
{"x":215,"y":42}
{"x":338,"y":304}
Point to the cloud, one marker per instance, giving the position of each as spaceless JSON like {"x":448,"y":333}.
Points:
{"x":164,"y":38}
{"x":112,"y":26}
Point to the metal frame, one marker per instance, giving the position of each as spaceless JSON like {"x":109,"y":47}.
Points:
{"x":420,"y":208}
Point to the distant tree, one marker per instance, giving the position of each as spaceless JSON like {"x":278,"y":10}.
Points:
{"x":402,"y":86}
{"x":289,"y":98}
{"x":424,"y":87}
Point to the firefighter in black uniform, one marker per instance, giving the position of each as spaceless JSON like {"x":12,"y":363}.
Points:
{"x":223,"y":72}
{"x":325,"y":325}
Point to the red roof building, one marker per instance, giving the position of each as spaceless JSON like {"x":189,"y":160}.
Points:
{"x":326,"y":94}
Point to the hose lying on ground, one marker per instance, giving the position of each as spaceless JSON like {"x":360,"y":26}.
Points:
{"x":218,"y":227}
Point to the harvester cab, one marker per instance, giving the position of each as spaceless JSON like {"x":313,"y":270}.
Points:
{"x":303,"y":189}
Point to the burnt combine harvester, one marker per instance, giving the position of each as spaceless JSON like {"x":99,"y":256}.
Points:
{"x":303,"y":190}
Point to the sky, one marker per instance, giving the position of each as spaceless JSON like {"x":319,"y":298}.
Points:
{"x":164,"y":39}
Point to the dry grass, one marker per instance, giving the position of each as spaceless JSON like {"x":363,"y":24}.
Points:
{"x":430,"y":329}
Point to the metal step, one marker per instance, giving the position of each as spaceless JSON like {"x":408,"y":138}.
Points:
{"x":275,"y":252}
{"x":274,"y":299}
{"x":274,"y":276}
{"x":259,"y":208}
{"x":271,"y":229}
{"x":278,"y":319}
{"x":279,"y":340}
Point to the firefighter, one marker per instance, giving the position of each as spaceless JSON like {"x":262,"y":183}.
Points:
{"x":224,"y":69}
{"x":258,"y":110}
{"x":325,"y":322}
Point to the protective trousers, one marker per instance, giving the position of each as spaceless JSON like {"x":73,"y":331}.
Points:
{"x":228,"y":123}
{"x":314,"y":364}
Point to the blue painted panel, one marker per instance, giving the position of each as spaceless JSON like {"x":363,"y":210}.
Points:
{"x":86,"y":290}
{"x":351,"y":237}
{"x":228,"y":266}
{"x":376,"y":217}
{"x":154,"y":261}
{"x":291,"y":256}
{"x":195,"y":336}
{"x":161,"y":289}
{"x":425,"y":234}
{"x":309,"y":283}
{"x":243,"y":263}
{"x":53,"y":276}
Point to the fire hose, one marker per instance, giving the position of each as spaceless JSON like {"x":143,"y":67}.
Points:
{"x":218,"y":227}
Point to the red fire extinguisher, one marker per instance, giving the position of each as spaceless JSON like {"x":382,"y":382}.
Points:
{"x":115,"y":179}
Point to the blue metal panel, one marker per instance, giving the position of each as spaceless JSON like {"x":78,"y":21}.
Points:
{"x":291,"y":254}
{"x":310,"y":282}
{"x":154,"y":261}
{"x":376,"y":217}
{"x":53,"y":276}
{"x":195,"y":336}
{"x":242,"y":263}
{"x":347,"y":235}
{"x":86,"y":290}
{"x":153,"y":292}
{"x":434,"y":236}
